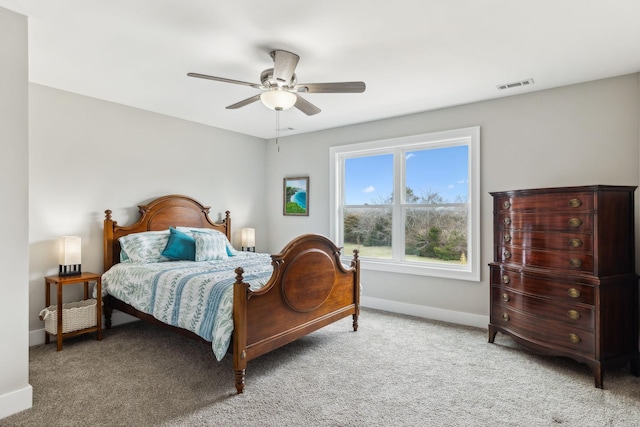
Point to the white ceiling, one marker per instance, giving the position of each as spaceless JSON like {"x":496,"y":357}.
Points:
{"x":414,"y":55}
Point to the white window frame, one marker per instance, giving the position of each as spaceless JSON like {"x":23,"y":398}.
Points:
{"x":467,"y":136}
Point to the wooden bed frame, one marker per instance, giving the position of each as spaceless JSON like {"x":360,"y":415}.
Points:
{"x":309,"y":289}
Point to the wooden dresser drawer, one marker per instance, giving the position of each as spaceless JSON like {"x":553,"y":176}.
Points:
{"x":558,"y":201}
{"x":547,"y":240}
{"x":549,"y":332}
{"x":577,"y":315}
{"x":561,"y":221}
{"x":567,"y":260}
{"x":553,"y":288}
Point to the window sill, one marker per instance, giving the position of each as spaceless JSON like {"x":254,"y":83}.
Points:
{"x":448,"y":272}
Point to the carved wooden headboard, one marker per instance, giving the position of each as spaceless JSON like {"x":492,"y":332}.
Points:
{"x":167,"y":211}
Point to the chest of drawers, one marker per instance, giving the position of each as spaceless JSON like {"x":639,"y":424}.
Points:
{"x":563,"y":278}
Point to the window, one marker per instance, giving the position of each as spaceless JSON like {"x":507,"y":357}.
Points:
{"x":410,"y":204}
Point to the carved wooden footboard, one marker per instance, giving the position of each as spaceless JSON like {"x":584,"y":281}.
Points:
{"x":310,"y":287}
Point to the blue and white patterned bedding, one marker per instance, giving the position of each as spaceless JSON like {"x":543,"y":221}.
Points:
{"x":197,"y":296}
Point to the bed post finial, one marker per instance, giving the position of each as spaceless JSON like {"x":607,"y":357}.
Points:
{"x":107,"y":214}
{"x":355,"y":260}
{"x":239,"y":272}
{"x":227,"y":224}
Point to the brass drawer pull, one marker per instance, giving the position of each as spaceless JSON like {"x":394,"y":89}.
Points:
{"x":574,"y":339}
{"x":507,"y":254}
{"x":505,"y":316}
{"x":575,"y":222}
{"x":505,"y":297}
{"x":573,"y":293}
{"x":573,"y":315}
{"x":575,"y":262}
{"x":505,"y":279}
{"x":575,"y":203}
{"x":507,"y":238}
{"x":506,"y":204}
{"x":507,"y":221}
{"x":575,"y":243}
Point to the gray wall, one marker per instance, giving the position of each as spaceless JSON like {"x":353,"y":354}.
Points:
{"x":88,"y":155}
{"x":15,"y":391}
{"x":575,"y":135}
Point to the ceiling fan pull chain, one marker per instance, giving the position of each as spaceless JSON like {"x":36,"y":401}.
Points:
{"x":278,"y":127}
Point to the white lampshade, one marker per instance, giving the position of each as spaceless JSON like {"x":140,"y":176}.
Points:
{"x":248,"y":237}
{"x":70,"y":250}
{"x":278,"y":99}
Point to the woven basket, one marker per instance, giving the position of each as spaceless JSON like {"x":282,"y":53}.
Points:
{"x":75,"y":316}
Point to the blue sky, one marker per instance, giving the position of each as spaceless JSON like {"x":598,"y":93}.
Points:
{"x":444,"y":170}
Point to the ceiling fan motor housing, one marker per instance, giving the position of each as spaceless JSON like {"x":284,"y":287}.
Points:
{"x":267,"y":80}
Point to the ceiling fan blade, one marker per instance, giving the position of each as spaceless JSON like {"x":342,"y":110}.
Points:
{"x":222,"y":79}
{"x":305,"y":106}
{"x":340,"y":87}
{"x":284,"y":64}
{"x":245,"y":102}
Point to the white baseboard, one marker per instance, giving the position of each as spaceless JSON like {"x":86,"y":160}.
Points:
{"x":16,"y":401}
{"x":118,"y":318}
{"x":37,"y":337}
{"x":433,"y":313}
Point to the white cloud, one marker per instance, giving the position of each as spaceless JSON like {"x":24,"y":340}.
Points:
{"x":369,"y":189}
{"x":410,"y":155}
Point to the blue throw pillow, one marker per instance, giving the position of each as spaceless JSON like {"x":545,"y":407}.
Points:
{"x":180,"y":246}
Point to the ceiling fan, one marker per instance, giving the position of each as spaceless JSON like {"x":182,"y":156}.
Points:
{"x":280,"y":88}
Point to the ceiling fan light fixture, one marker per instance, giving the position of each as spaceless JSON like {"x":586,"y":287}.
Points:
{"x":278,"y":99}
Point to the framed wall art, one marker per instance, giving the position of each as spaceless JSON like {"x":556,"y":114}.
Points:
{"x":295,"y":194}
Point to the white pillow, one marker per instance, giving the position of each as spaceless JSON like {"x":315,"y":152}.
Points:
{"x":144,"y":247}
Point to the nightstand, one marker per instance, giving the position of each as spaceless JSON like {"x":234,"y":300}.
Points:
{"x":60,"y":282}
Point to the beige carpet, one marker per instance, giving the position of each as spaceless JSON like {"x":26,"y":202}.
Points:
{"x":395,"y":371}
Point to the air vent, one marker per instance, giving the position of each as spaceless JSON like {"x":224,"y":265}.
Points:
{"x":515,"y":84}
